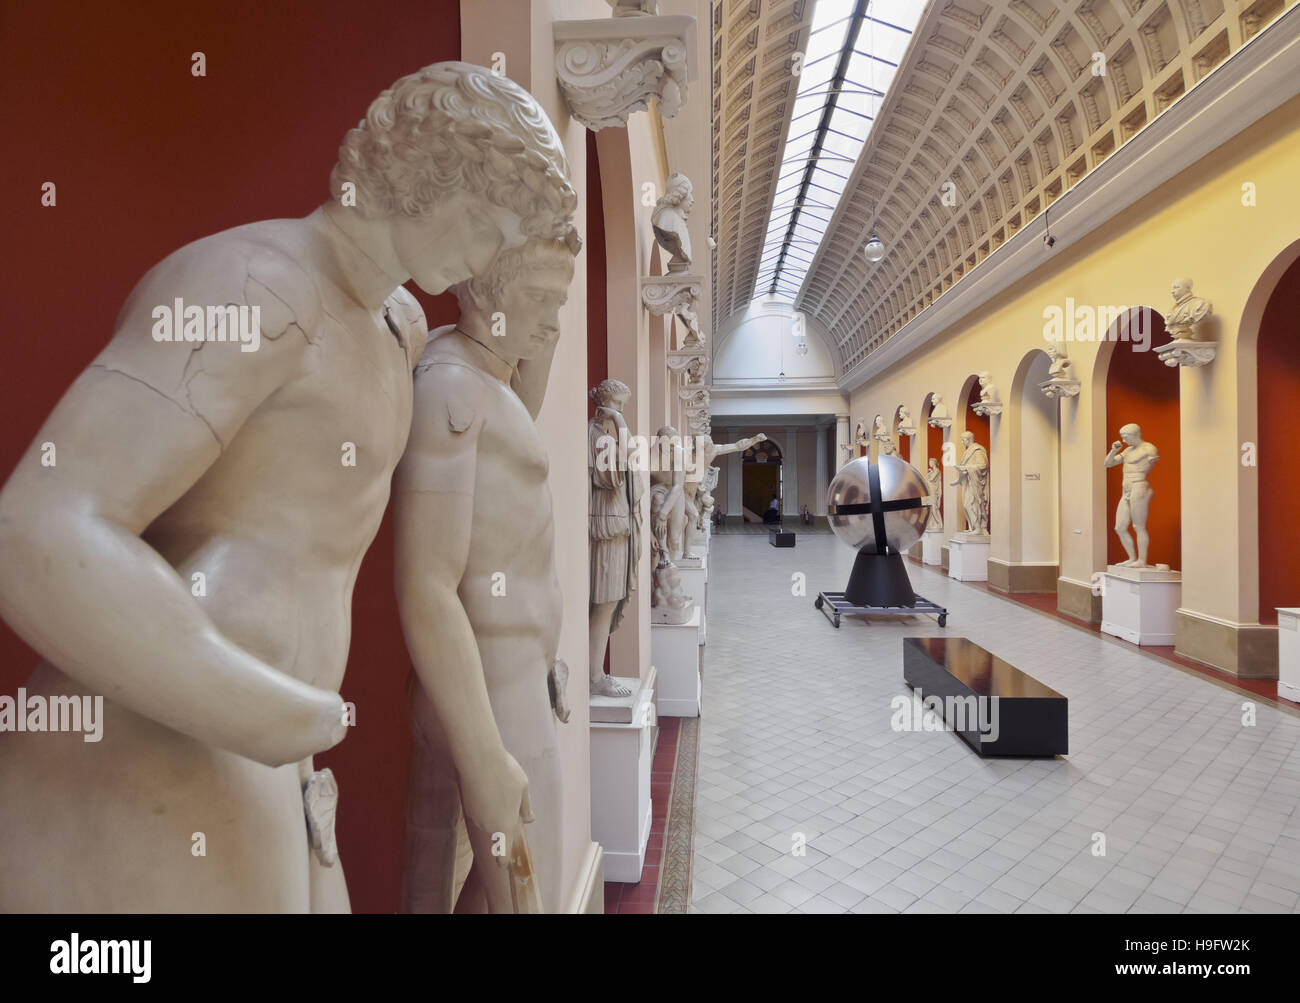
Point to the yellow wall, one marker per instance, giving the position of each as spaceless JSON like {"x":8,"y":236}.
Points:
{"x":1193,"y":226}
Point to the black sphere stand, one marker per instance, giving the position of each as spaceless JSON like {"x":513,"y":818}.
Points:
{"x":879,"y":582}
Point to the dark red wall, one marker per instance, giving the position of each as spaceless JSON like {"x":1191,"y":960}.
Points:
{"x":1143,"y":390}
{"x":1279,"y":474}
{"x":597,"y":315}
{"x":99,"y":99}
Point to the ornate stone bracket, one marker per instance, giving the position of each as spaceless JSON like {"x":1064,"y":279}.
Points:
{"x":665,"y":294}
{"x":1186,"y":352}
{"x":610,"y":67}
{"x":940,"y":423}
{"x":986,"y":408}
{"x":907,"y":430}
{"x":1060,"y":388}
{"x":680,"y":359}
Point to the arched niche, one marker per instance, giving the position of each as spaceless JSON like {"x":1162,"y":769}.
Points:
{"x":1142,"y":390}
{"x":903,"y":442}
{"x":966,"y":420}
{"x":761,"y":472}
{"x":1034,"y":456}
{"x":1269,"y":375}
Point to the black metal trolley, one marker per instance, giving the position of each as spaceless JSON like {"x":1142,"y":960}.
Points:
{"x":833,"y":605}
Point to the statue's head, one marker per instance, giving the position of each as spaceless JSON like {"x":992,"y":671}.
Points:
{"x":1181,"y":288}
{"x":610,"y":393}
{"x":933,"y":464}
{"x":464,"y":164}
{"x":984,"y":378}
{"x":967,"y":438}
{"x":1131,"y":434}
{"x":517,"y":300}
{"x":679,"y":194}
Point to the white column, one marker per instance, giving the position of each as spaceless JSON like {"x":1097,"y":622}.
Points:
{"x":735,"y":481}
{"x":819,"y":505}
{"x":841,"y":440}
{"x":790,"y":472}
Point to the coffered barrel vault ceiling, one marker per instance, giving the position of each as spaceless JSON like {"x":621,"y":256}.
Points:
{"x":999,"y":99}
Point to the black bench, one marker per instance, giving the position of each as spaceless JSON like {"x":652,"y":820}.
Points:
{"x":997,"y":709}
{"x":780,"y":538}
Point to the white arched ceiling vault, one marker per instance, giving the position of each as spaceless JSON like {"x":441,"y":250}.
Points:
{"x":998,"y":98}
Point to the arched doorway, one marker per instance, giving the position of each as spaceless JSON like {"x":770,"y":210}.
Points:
{"x":760,"y":467}
{"x":1143,"y":391}
{"x":1278,"y":388}
{"x":1035,"y":480}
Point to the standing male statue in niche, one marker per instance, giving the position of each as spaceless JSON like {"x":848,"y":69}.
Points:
{"x":614,"y":514}
{"x":973,"y":478}
{"x":1138,"y":457}
{"x":477,"y":591}
{"x":262,"y":475}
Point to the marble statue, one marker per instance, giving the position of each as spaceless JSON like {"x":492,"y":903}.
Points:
{"x":669,"y":222}
{"x":940,"y":417}
{"x":884,"y":441}
{"x":705,"y":452}
{"x":1188,"y":311}
{"x":691,"y":320}
{"x":990,"y":402}
{"x":477,"y":592}
{"x":905,"y":425}
{"x":973,"y":478}
{"x":1061,"y":368}
{"x":934,"y":478}
{"x":1138,"y":457}
{"x":615,"y":529}
{"x":199,"y":571}
{"x":860,"y":434}
{"x":672,"y":518}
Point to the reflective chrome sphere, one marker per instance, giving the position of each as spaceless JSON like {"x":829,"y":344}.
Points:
{"x":899,"y":480}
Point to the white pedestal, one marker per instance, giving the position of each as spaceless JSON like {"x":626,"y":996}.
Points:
{"x":620,"y":782}
{"x":694,"y":582}
{"x":675,"y":655}
{"x":932,"y":547}
{"x":968,"y":559}
{"x":1288,"y":653}
{"x":1138,"y":604}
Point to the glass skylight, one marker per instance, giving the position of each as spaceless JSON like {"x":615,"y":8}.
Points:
{"x":852,"y":56}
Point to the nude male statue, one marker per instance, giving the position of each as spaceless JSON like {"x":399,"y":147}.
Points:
{"x":1138,"y":457}
{"x":262,"y":475}
{"x":477,"y":591}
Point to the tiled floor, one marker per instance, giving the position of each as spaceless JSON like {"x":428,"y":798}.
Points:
{"x":1198,"y":811}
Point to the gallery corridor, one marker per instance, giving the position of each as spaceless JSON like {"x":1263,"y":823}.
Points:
{"x":1198,"y":811}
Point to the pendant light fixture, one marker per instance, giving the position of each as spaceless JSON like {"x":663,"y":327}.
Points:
{"x":874,"y":249}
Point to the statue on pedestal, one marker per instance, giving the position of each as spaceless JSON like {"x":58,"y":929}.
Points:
{"x":973,"y":478}
{"x":1138,"y":457}
{"x":701,"y":460}
{"x":939,"y":414}
{"x":905,"y":426}
{"x":671,"y":519}
{"x":934,"y":478}
{"x":884,"y":441}
{"x":1188,"y":311}
{"x":669,"y":221}
{"x":262,"y":473}
{"x":615,"y":528}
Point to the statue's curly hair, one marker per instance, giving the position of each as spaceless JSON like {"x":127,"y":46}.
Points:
{"x":606,"y":390}
{"x":451,"y":127}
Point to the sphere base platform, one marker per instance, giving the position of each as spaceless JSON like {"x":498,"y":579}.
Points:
{"x":878,"y":585}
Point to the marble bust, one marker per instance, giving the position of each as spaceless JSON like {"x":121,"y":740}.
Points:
{"x":265,"y":473}
{"x":669,"y":221}
{"x":1137,"y":457}
{"x":940,"y":417}
{"x":1188,"y":311}
{"x":884,"y":441}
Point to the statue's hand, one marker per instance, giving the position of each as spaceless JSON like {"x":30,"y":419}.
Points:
{"x":495,"y":800}
{"x":1116,"y":446}
{"x":761,"y":437}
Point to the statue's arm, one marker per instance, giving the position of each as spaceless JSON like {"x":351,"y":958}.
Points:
{"x":132,"y":435}
{"x":433,"y":507}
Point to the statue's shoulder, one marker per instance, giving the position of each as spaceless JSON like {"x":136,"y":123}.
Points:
{"x":450,"y":391}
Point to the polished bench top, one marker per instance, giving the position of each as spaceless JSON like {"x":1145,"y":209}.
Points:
{"x":981,"y":671}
